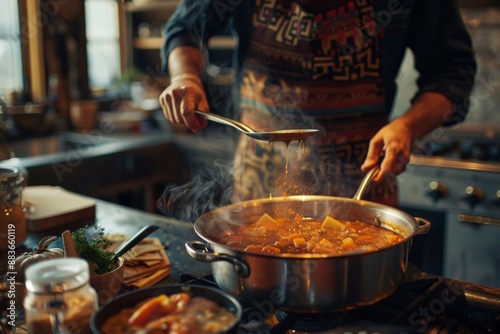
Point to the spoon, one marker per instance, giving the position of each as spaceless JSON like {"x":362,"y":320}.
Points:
{"x":134,"y":240}
{"x":287,"y":135}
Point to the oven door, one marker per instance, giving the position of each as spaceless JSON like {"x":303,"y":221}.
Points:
{"x":471,"y":248}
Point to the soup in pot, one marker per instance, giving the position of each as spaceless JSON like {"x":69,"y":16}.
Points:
{"x":304,"y":235}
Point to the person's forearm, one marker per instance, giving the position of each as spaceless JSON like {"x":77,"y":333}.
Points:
{"x":428,"y":112}
{"x":185,"y":60}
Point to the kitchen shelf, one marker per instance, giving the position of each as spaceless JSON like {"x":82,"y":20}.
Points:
{"x":144,"y":23}
{"x":144,"y":6}
{"x":148,"y":43}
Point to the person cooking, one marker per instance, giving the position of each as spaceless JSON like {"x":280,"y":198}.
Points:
{"x":329,"y":65}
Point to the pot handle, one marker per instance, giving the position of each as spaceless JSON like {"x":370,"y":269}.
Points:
{"x":424,"y":225}
{"x":199,"y":251}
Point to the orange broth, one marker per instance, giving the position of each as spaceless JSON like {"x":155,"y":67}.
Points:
{"x":299,"y":236}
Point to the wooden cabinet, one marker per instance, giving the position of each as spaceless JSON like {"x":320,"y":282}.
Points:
{"x":144,"y":24}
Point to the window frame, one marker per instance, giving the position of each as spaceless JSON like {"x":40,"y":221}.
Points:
{"x":35,"y":76}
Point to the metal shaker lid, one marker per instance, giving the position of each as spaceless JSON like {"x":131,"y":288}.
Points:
{"x":57,"y":275}
{"x":10,"y":177}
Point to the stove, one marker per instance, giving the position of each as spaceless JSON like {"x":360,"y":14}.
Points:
{"x":453,"y":180}
{"x":423,"y":303}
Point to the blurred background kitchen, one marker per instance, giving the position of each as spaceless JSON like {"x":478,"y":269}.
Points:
{"x":79,"y":87}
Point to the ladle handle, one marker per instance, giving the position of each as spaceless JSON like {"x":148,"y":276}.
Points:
{"x":223,"y":120}
{"x":364,"y":183}
{"x":127,"y":245}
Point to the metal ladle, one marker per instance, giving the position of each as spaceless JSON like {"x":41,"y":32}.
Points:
{"x":134,"y":240}
{"x":287,"y":135}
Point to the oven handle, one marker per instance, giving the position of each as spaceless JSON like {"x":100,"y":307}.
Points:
{"x":465,"y":218}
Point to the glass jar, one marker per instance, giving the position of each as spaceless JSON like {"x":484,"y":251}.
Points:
{"x":13,"y":227}
{"x":60,"y":299}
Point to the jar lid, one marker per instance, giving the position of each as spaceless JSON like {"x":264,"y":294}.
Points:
{"x":57,"y":275}
{"x":10,"y":176}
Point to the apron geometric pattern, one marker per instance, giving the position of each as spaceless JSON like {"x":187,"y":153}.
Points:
{"x":312,"y":64}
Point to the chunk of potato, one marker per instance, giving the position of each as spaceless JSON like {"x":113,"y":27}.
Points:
{"x":332,"y":223}
{"x":259,"y":231}
{"x":348,"y":244}
{"x":267,"y":222}
{"x":311,"y":244}
{"x":326,"y":243}
{"x":299,"y":242}
{"x":323,"y":250}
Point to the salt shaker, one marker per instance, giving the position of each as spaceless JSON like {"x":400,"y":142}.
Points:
{"x":60,"y":299}
{"x":13,"y":227}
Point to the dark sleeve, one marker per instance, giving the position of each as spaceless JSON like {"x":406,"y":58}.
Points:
{"x":443,"y":53}
{"x":192,"y":24}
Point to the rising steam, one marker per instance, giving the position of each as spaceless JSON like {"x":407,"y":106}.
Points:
{"x":208,"y":189}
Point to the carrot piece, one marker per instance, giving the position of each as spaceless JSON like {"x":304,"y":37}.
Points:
{"x":291,"y":237}
{"x":179,"y":300}
{"x":366,"y":237}
{"x":162,"y":323}
{"x":253,"y":248}
{"x":147,"y":311}
{"x":271,"y":249}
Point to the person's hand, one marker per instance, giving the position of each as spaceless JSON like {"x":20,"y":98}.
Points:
{"x":181,"y":98}
{"x":394,"y":142}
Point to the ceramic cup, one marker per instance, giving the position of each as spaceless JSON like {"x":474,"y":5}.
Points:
{"x":83,"y":114}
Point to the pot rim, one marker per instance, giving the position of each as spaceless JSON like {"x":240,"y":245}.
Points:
{"x":206,"y":218}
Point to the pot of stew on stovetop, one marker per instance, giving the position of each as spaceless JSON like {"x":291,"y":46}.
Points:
{"x":307,"y":253}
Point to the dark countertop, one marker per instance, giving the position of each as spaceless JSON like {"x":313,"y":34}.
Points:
{"x":63,"y":146}
{"x":119,"y":219}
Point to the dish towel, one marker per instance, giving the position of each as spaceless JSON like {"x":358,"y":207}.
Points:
{"x":145,"y":264}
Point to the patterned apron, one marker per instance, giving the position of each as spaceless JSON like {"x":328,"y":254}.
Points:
{"x":312,"y":64}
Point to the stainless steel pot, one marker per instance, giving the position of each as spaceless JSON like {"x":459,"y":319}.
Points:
{"x":307,"y":283}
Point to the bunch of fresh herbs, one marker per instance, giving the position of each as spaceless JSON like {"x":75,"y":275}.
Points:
{"x":92,"y":246}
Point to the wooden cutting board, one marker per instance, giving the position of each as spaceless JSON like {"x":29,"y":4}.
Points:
{"x":52,"y":206}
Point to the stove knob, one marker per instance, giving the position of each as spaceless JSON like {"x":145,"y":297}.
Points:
{"x":473,"y":195}
{"x":437,"y":190}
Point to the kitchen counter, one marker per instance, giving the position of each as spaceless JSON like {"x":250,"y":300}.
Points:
{"x":119,"y":219}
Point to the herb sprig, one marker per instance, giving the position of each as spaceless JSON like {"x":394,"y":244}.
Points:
{"x":92,"y":247}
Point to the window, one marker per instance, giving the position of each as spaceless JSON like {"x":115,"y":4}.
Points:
{"x":21,"y":72}
{"x":11,"y":68}
{"x":103,"y":43}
